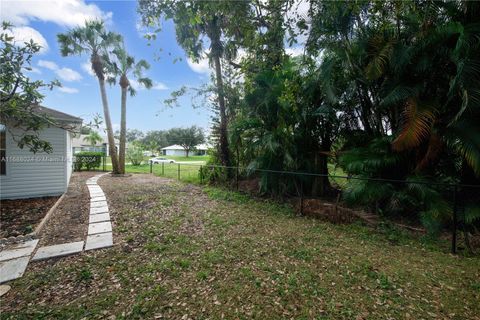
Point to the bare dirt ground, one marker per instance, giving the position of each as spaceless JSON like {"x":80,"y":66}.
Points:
{"x":69,"y":222}
{"x":20,"y":217}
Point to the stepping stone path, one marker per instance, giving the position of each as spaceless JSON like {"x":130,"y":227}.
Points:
{"x":14,"y":259}
{"x":99,"y":227}
{"x":58,"y":250}
{"x":98,"y":223}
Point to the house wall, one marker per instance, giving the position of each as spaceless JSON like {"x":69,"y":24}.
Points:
{"x":35,"y":175}
{"x":69,"y":157}
{"x":180,"y":153}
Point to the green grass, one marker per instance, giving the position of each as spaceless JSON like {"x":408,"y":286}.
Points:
{"x":188,"y":173}
{"x":186,"y":252}
{"x":176,"y":158}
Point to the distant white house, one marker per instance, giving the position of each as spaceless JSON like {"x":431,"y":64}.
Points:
{"x":25,"y":174}
{"x":177,"y":150}
{"x":80,"y":144}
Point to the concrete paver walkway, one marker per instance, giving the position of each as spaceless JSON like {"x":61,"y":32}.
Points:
{"x":14,"y":260}
{"x":58,"y":250}
{"x":100,"y":227}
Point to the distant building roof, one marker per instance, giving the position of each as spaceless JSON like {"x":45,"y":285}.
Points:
{"x":55,"y":114}
{"x":202,"y":146}
{"x":173,"y":147}
{"x":79,"y":141}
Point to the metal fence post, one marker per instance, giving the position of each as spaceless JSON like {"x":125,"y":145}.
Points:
{"x":201,"y":174}
{"x":163,"y":168}
{"x":104,"y":163}
{"x":179,"y":172}
{"x":151,"y":166}
{"x":455,"y":221}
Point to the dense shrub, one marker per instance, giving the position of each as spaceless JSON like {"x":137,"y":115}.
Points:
{"x":88,"y":160}
{"x":135,"y":155}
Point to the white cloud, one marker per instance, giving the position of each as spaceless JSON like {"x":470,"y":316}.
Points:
{"x":68,"y":74}
{"x":294,"y":51}
{"x":68,"y":13}
{"x":202,"y":66}
{"x":159,"y":86}
{"x":34,"y":70}
{"x":87,"y":67}
{"x":25,"y":34}
{"x":156,"y":85}
{"x":136,"y":85}
{"x":68,"y":90}
{"x":48,"y":64}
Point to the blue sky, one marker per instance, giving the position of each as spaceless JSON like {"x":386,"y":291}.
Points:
{"x":80,"y":95}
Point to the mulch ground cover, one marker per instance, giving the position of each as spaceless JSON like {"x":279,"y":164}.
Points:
{"x":20,"y":217}
{"x":69,"y":222}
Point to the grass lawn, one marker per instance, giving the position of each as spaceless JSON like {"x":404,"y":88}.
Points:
{"x":205,"y":158}
{"x":186,"y":252}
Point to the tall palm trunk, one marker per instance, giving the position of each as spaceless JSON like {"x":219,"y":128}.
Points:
{"x":108,"y":123}
{"x":124,"y":83}
{"x":97,"y":66}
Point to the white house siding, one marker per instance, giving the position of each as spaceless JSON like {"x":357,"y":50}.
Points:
{"x":180,"y":153}
{"x":33,"y":175}
{"x":69,"y":157}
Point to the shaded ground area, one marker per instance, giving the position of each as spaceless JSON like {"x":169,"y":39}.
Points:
{"x":70,"y":221}
{"x":20,"y":217}
{"x":183,"y":252}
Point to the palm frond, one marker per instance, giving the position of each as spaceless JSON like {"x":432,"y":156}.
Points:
{"x":472,"y":214}
{"x":418,"y":118}
{"x":464,"y":137}
{"x":381,"y":50}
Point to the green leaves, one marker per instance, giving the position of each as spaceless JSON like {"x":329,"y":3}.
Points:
{"x":19,"y":95}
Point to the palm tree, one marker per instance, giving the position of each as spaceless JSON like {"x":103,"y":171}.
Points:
{"x":93,"y":39}
{"x":122,"y":67}
{"x":93,"y":138}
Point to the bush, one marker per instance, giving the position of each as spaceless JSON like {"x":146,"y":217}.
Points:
{"x":135,"y":155}
{"x":87,"y":160}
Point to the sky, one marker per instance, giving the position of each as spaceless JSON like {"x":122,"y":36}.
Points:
{"x":79,"y":95}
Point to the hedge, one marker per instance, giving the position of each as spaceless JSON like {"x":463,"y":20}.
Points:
{"x":88,"y":160}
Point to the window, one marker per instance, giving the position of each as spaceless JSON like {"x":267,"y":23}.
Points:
{"x":3,"y":145}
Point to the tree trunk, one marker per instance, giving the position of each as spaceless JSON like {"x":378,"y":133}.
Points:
{"x":322,"y":184}
{"x":224,"y":153}
{"x":108,"y":123}
{"x":123,"y":125}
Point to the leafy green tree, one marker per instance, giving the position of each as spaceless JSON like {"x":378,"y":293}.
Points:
{"x":95,"y":40}
{"x":131,"y":135}
{"x":188,"y":138}
{"x":135,"y":155}
{"x":194,"y":20}
{"x":124,"y":66}
{"x":19,"y":95}
{"x":155,"y":139}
